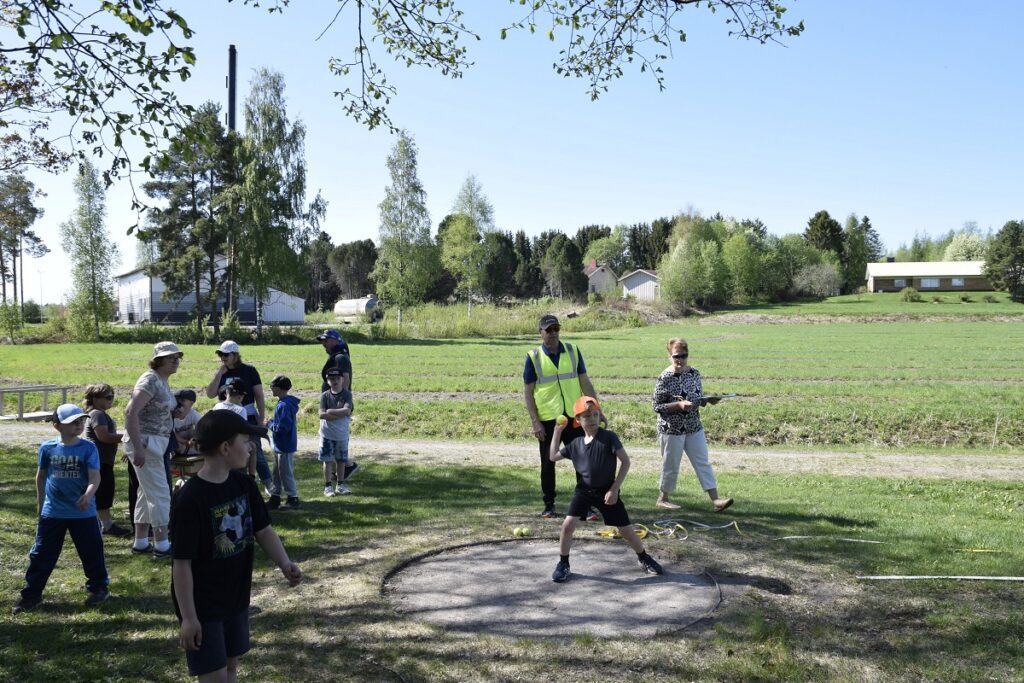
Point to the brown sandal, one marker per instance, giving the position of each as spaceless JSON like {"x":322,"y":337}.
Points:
{"x":722,"y":503}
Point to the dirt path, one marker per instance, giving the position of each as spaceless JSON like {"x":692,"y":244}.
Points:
{"x":950,"y":465}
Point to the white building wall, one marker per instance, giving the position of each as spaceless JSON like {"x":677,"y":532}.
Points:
{"x":284,"y":308}
{"x":136,"y":304}
{"x":641,"y":286}
{"x":133,"y":299}
{"x":601,"y":280}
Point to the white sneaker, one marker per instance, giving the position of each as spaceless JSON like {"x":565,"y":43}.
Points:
{"x":343,"y":490}
{"x":329,"y":491}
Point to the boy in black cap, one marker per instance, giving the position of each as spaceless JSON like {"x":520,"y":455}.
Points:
{"x":217,"y":516}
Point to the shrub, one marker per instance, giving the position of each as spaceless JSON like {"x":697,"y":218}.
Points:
{"x":910,"y":294}
{"x":936,"y":299}
{"x":633,"y":319}
{"x":320,"y":318}
{"x":819,"y":280}
{"x":965,"y":298}
{"x":10,"y":320}
{"x":230,"y":328}
{"x":990,"y":298}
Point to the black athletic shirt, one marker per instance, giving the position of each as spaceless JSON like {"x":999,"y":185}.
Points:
{"x":595,"y":461}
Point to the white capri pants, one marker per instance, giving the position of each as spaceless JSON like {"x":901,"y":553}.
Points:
{"x":696,"y":447}
{"x":153,"y":505}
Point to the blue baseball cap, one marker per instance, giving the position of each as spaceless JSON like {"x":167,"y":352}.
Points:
{"x":329,"y":334}
{"x":68,"y":413}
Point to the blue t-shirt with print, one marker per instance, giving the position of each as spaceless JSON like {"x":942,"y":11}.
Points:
{"x":67,"y":477}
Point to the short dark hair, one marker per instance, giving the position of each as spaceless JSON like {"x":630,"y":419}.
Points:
{"x":185,"y":395}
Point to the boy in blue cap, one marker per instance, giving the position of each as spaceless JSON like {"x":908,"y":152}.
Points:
{"x":66,"y":483}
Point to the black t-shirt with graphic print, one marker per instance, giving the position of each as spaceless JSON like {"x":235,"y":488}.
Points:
{"x":214,"y":526}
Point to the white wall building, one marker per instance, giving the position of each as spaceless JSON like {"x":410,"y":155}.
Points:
{"x":600,"y":278}
{"x":140,"y":299}
{"x":641,"y":284}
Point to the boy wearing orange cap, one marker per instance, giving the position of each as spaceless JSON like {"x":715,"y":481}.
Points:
{"x":594,"y":456}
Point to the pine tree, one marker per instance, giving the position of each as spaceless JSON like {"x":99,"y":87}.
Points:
{"x":188,"y":235}
{"x":825,"y":233}
{"x":17,"y":214}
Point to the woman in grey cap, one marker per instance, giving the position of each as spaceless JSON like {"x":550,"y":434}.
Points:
{"x":148,"y":425}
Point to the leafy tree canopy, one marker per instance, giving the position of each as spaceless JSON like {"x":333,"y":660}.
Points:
{"x":110,"y":64}
{"x":1004,"y":264}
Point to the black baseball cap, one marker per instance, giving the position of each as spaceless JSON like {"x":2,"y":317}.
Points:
{"x":547,"y":321}
{"x":218,"y":426}
{"x":235,"y":385}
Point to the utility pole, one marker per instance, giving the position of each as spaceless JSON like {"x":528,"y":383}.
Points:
{"x":232,"y":87}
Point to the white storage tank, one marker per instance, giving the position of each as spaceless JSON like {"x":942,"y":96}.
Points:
{"x":367,"y":307}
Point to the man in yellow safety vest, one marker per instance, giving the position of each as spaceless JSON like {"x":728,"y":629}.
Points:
{"x":554,"y":377}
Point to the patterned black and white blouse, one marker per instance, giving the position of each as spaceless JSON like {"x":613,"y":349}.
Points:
{"x":671,"y":388}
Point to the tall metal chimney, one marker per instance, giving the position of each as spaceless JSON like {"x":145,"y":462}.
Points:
{"x":232,"y":59}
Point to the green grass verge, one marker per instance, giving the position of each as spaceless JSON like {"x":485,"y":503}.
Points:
{"x":944,"y":304}
{"x":816,"y":622}
{"x":853,"y":384}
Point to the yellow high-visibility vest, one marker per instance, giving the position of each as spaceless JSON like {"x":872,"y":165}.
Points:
{"x":557,"y":388}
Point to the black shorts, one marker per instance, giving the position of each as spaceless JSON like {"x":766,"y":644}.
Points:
{"x":585,"y":498}
{"x":105,"y":492}
{"x":228,"y":637}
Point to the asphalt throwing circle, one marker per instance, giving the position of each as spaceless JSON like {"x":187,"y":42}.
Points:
{"x":505,"y":588}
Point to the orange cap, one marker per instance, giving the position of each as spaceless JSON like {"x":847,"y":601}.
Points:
{"x":584,"y":404}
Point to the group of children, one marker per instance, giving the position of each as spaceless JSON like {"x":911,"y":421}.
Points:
{"x":219,"y":513}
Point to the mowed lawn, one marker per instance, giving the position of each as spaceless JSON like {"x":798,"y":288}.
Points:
{"x":913,"y":384}
{"x":801,"y":613}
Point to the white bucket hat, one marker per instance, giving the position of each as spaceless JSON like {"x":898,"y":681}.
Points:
{"x":166,"y":348}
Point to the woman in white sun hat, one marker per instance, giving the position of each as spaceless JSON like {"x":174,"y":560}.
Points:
{"x":148,"y":426}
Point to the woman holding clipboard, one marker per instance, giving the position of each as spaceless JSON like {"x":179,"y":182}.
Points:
{"x":677,"y":399}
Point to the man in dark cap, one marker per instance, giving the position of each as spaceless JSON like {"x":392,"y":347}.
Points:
{"x":337,"y":357}
{"x":554,"y":377}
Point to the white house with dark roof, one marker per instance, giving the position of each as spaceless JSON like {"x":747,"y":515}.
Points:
{"x":927,"y":276}
{"x":600,"y":278}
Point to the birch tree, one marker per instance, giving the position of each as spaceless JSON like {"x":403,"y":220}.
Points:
{"x":92,"y":253}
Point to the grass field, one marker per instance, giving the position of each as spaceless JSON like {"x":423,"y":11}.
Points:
{"x":910,"y":384}
{"x":944,"y":386}
{"x":939,"y":304}
{"x":810,"y":620}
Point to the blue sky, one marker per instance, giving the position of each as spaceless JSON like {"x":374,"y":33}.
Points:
{"x":908,"y":112}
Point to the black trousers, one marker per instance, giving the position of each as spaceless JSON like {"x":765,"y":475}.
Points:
{"x":547,"y":468}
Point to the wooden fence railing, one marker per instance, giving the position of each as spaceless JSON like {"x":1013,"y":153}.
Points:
{"x":44,"y":389}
